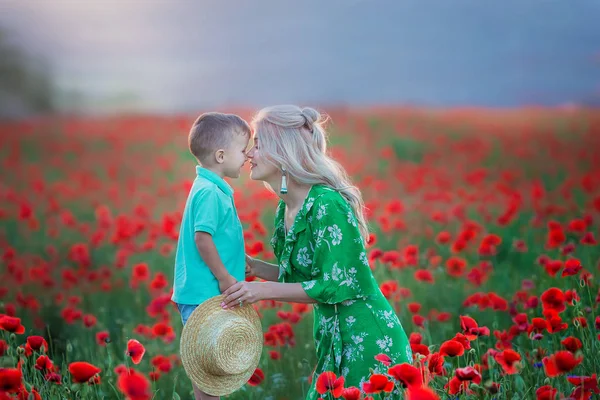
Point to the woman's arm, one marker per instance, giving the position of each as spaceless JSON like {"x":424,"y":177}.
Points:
{"x":263,"y":269}
{"x":251,"y":292}
{"x":287,"y":292}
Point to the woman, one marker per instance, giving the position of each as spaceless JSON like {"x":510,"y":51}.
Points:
{"x":319,"y":242}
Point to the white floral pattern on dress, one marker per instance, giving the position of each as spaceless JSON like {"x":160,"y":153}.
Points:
{"x":321,"y":212}
{"x":351,"y":219}
{"x":336,"y":234}
{"x":303,"y":257}
{"x":385,"y":344}
{"x":389,"y":317}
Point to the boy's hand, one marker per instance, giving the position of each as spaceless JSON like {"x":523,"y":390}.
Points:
{"x":249,"y":270}
{"x":226,"y":282}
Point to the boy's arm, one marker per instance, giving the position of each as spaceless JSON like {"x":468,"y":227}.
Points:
{"x":263,"y":269}
{"x":208,"y":252}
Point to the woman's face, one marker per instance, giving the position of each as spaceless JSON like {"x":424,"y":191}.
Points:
{"x":260,"y":168}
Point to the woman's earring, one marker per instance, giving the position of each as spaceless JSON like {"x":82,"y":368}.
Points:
{"x":283,"y":189}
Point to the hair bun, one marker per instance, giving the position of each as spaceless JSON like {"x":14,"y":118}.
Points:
{"x":311,"y":115}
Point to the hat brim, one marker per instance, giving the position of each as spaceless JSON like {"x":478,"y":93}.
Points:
{"x":217,"y":385}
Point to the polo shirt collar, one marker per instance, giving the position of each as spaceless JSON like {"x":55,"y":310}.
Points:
{"x":214,"y":178}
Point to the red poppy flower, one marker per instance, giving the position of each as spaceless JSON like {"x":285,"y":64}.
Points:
{"x":120,"y":369}
{"x":53,"y":377}
{"x":556,"y":237}
{"x":135,"y":350}
{"x":418,"y":320}
{"x":424,"y":275}
{"x":560,"y":363}
{"x":384,"y":358}
{"x":414,"y":307}
{"x":435,"y":364}
{"x":327,"y":381}
{"x":159,"y":282}
{"x":421,"y":393}
{"x":371,"y":240}
{"x":163,"y":330}
{"x":553,"y":299}
{"x":498,"y":302}
{"x":389,"y":288}
{"x":89,"y":320}
{"x":10,"y":379}
{"x":521,"y":321}
{"x":82,"y":371}
{"x":455,"y":266}
{"x":538,"y":325}
{"x":572,"y":344}
{"x":416,"y":337}
{"x":452,"y":348}
{"x":509,"y":360}
{"x":102,"y":338}
{"x":471,"y":329}
{"x":443,"y":316}
{"x":378,"y":383}
{"x":419,"y":348}
{"x":257,"y":377}
{"x":555,"y":322}
{"x":468,"y":374}
{"x":552,"y":267}
{"x":572,"y":267}
{"x":456,"y":386}
{"x":162,"y":363}
{"x":462,"y":339}
{"x":134,"y":385}
{"x":408,"y":375}
{"x":443,"y":237}
{"x":37,"y":343}
{"x":586,"y":383}
{"x":11,"y":324}
{"x":351,"y":393}
{"x":546,"y":392}
{"x":43,"y":363}
{"x":589,"y":239}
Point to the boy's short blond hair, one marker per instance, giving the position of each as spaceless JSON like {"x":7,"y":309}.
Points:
{"x":213,"y":131}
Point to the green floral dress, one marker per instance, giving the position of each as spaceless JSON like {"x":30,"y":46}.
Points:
{"x":353,"y":321}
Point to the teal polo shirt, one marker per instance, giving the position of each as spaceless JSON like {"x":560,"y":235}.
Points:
{"x":209,"y":208}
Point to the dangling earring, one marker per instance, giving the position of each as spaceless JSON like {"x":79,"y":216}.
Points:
{"x":283,"y":189}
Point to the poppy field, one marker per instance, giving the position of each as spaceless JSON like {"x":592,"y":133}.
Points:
{"x":484,"y":223}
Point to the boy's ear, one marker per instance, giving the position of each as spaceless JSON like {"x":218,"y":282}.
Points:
{"x":220,"y":156}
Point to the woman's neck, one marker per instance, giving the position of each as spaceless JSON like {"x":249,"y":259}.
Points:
{"x":296,"y":194}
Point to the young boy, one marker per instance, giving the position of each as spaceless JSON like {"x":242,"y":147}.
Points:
{"x":210,"y":253}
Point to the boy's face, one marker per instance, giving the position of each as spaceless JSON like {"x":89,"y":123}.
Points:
{"x":235,"y":156}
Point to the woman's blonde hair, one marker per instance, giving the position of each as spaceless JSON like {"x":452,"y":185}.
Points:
{"x":294,"y":138}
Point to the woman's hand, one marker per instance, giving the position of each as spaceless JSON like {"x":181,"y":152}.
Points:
{"x":244,"y":292}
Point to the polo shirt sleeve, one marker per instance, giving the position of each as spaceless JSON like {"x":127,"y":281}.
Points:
{"x":207,"y":211}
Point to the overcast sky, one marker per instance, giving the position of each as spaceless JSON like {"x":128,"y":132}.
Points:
{"x":181,"y":55}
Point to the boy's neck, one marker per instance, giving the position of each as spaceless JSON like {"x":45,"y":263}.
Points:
{"x":214,"y":170}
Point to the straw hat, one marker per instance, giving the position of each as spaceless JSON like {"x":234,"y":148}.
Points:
{"x":220,"y":349}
